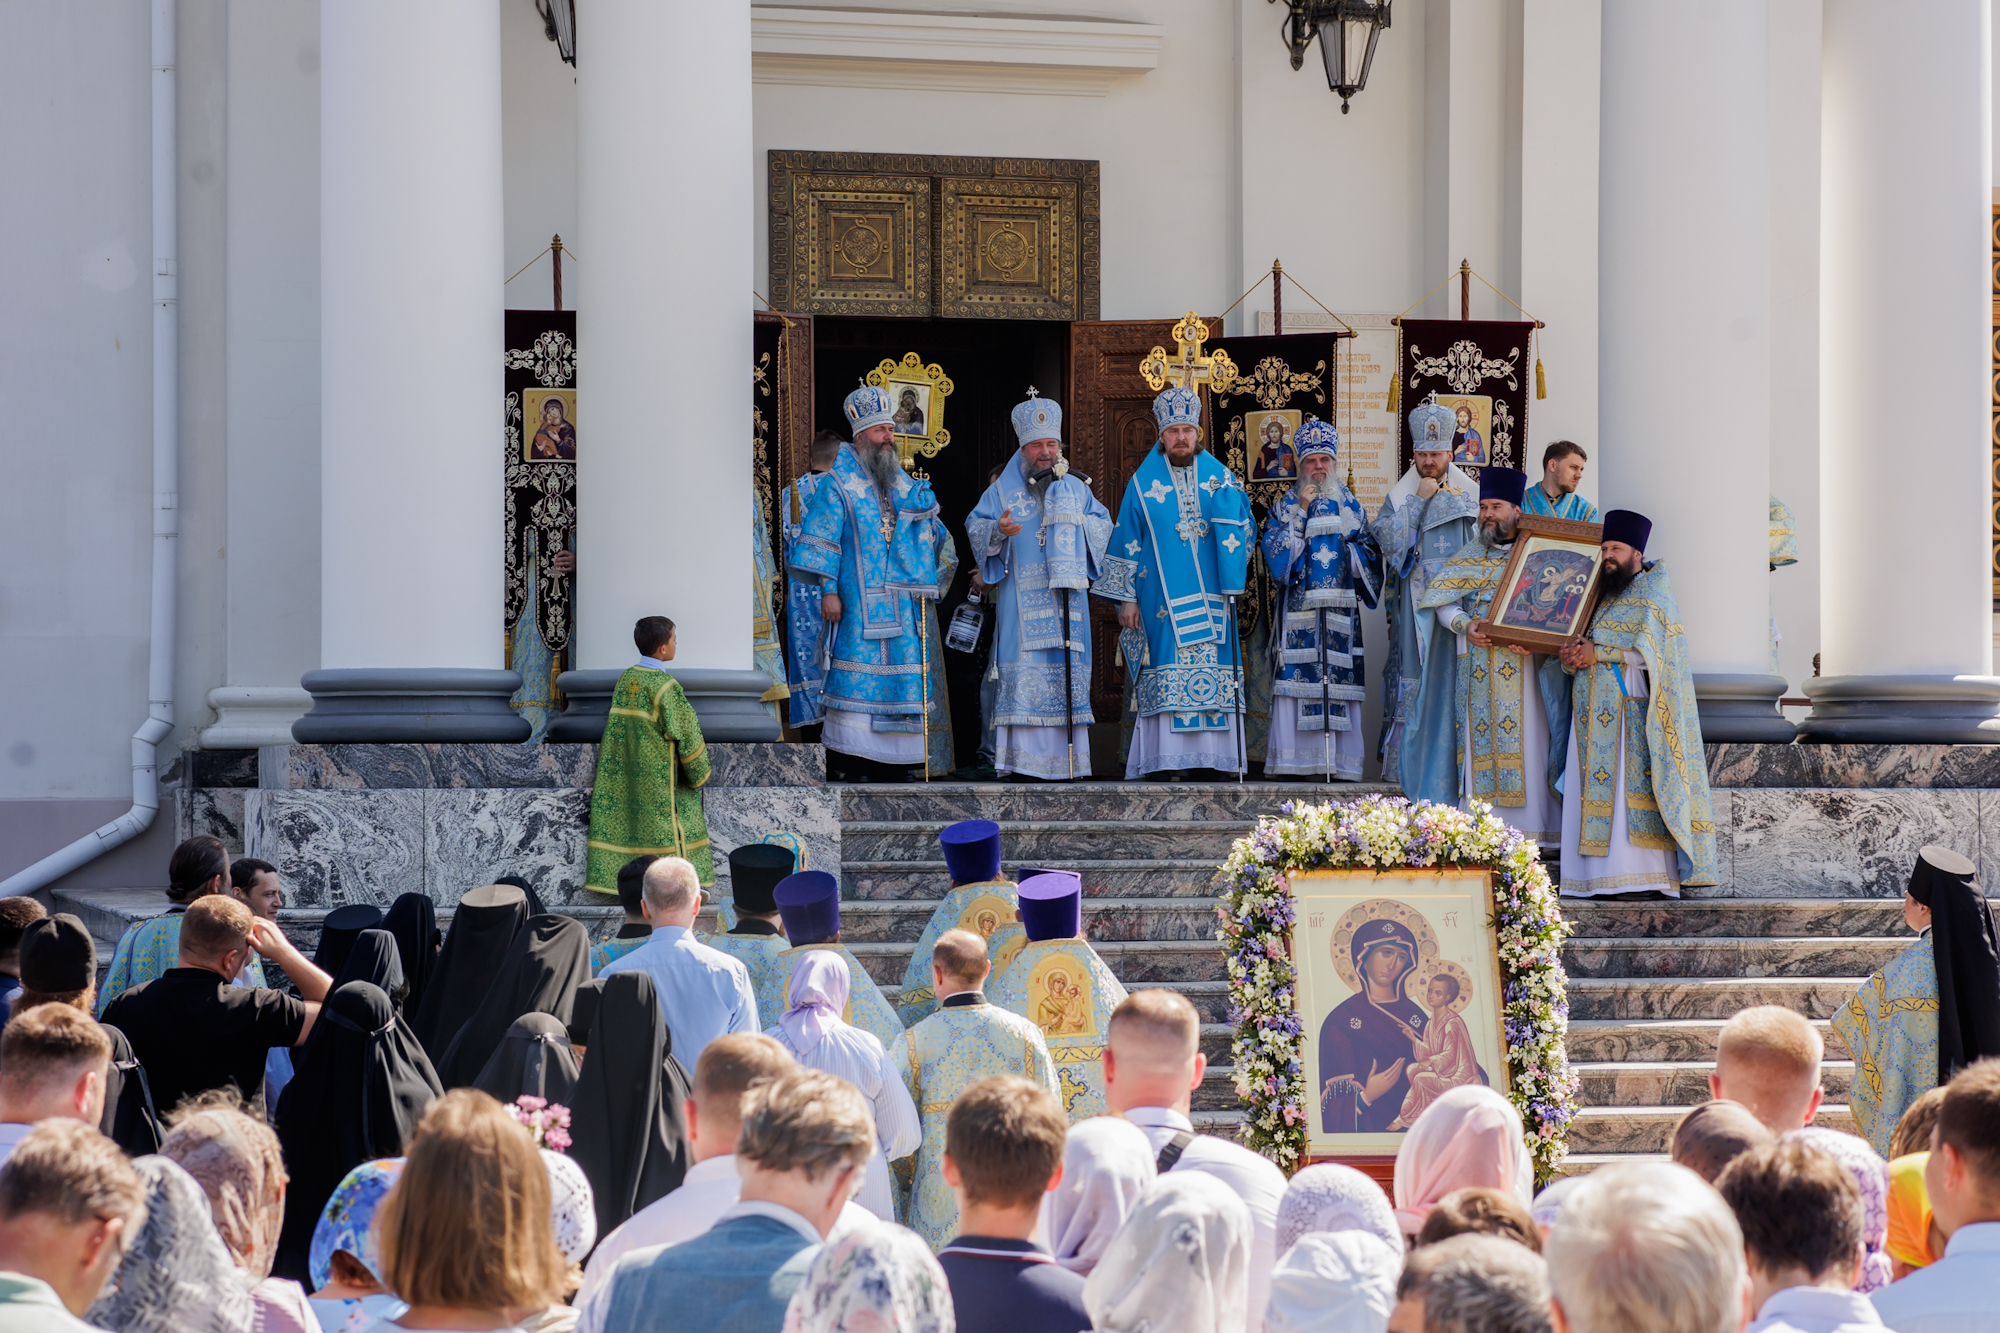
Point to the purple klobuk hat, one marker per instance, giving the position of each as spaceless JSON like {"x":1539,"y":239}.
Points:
{"x":809,"y":902}
{"x":1052,"y":906}
{"x":971,"y":850}
{"x":1503,"y":483}
{"x":1628,"y":526}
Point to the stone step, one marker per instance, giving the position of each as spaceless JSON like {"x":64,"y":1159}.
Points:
{"x":1650,"y":1129}
{"x":927,"y":881}
{"x":1710,"y":997}
{"x":1742,"y":918}
{"x":1583,"y":1163}
{"x":1033,"y":842}
{"x":902,"y":922}
{"x":1134,"y":962}
{"x":1596,"y":1039}
{"x":1005,"y":802}
{"x":1677,"y":1083}
{"x":1217,"y":1090}
{"x":1795,"y":956}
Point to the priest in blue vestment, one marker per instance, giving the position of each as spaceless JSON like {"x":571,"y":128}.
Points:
{"x":1428,"y":515}
{"x":1039,"y":536}
{"x":873,"y":538}
{"x":1326,"y":564}
{"x":1554,"y":496}
{"x":804,"y":627}
{"x":1179,"y":558}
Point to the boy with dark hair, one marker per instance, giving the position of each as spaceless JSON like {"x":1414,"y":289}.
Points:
{"x":651,"y":764}
{"x":1957,"y":1293}
{"x":1801,"y":1217}
{"x":1003,"y":1150}
{"x":635,"y":930}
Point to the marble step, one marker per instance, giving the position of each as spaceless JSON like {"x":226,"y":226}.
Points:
{"x":1008,"y":802}
{"x":1650,"y":1129}
{"x":1104,"y":919}
{"x":1583,"y":1163}
{"x":927,"y":881}
{"x":1795,"y":956}
{"x":1677,"y":1083}
{"x":1032,"y":842}
{"x":1742,"y":918}
{"x":1706,"y":997}
{"x":1217,"y":1090}
{"x":1134,"y":962}
{"x":1675,"y":1039}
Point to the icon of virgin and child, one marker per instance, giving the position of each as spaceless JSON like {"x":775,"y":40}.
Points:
{"x":1383,"y":1056}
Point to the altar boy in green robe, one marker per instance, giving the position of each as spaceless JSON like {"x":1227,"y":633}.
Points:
{"x":650,"y":769}
{"x":981,"y":900}
{"x":809,"y":903}
{"x":1058,"y":983}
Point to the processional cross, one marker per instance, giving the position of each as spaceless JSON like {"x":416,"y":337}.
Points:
{"x":1189,"y":369}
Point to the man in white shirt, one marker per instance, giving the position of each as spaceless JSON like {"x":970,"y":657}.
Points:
{"x":1800,"y":1212}
{"x":53,"y":1063}
{"x":1960,"y":1293}
{"x":703,"y":992}
{"x":70,"y":1204}
{"x":714,"y":1119}
{"x":1152,"y":1065}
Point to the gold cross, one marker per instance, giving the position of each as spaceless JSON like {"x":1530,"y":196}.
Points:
{"x":1189,"y":369}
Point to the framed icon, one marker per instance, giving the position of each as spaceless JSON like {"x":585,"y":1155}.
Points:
{"x":1550,"y":584}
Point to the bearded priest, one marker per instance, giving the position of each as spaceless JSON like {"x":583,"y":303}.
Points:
{"x":1636,"y":820}
{"x":873,"y":539}
{"x":1178,"y":560}
{"x":1039,"y":536}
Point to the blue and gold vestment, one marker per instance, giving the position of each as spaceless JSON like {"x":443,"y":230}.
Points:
{"x":1065,"y":989}
{"x":989,"y":909}
{"x":1891,"y":1028}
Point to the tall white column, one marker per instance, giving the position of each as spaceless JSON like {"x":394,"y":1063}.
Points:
{"x":411,"y":267}
{"x":1905,"y":356}
{"x":666,"y":212}
{"x":1683,"y":329}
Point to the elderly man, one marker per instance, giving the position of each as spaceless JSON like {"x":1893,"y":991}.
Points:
{"x":1636,"y":815}
{"x":1039,"y":536}
{"x":1321,"y":554}
{"x":1472,"y":1284}
{"x":1179,"y":559}
{"x":1427,"y":517}
{"x":1481,"y":729}
{"x":1554,"y":496}
{"x":1646,"y":1247}
{"x":873,"y":537}
{"x":703,"y":991}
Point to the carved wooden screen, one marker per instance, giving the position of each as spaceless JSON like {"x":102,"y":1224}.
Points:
{"x":1111,"y":428}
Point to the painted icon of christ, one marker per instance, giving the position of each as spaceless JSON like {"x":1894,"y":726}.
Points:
{"x":1441,"y":1055}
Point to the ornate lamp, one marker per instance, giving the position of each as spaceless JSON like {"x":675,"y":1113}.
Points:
{"x":1347,"y":32}
{"x":559,"y":26}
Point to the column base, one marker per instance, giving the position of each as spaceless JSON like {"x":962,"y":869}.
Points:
{"x":411,"y":704}
{"x":726,"y":702}
{"x":1742,"y":708}
{"x":247,"y":716}
{"x":1891,"y":710}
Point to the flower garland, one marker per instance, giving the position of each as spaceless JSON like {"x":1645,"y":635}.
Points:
{"x":1386,"y":833}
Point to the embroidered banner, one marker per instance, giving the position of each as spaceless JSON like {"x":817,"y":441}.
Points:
{"x":540,"y":515}
{"x":1482,"y":370}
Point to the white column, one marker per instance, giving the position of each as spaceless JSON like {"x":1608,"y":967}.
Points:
{"x":1683,"y":331}
{"x":666,"y":212}
{"x":1905,"y":348}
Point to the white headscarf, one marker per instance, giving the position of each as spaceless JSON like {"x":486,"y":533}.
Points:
{"x":815,"y":998}
{"x":1342,"y":1282}
{"x":874,"y":1279}
{"x":1548,"y":1205}
{"x":572,"y":1206}
{"x":1470,"y":1135}
{"x":1331,"y":1197}
{"x":177,"y":1276}
{"x":1180,"y":1264}
{"x":1107,"y":1164}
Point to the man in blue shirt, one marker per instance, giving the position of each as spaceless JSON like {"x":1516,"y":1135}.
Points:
{"x":805,"y":1139}
{"x":703,"y":991}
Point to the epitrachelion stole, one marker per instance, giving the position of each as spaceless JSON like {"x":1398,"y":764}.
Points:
{"x":1483,"y":371}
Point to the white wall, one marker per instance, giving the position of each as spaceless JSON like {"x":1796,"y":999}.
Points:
{"x":538,"y":111}
{"x":1795,"y":164}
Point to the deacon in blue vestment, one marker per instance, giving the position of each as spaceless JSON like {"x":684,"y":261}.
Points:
{"x":804,"y":626}
{"x":1039,"y":537}
{"x":1178,"y":560}
{"x":1426,"y":518}
{"x":873,"y":537}
{"x":1324,"y":560}
{"x":1554,"y":496}
{"x":809,"y":902}
{"x":1058,"y":983}
{"x":981,"y":900}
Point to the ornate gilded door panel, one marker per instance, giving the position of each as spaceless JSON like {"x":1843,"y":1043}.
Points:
{"x":860,"y":244}
{"x":1009,"y":249}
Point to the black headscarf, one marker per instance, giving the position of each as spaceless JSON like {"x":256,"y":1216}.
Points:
{"x":482,"y":931}
{"x":375,"y":958}
{"x":337,"y":932}
{"x":549,"y":959}
{"x":628,"y":1123}
{"x":362,"y":1084}
{"x":412,"y":919}
{"x":535,"y":907}
{"x":1968,"y":964}
{"x":535,"y":1059}
{"x":583,"y":1011}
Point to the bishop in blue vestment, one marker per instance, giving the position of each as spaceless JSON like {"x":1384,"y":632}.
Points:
{"x":873,"y":537}
{"x":1178,"y":559}
{"x":1039,"y":536}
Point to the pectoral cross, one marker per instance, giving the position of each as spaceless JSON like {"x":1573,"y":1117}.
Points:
{"x":1188,"y":368}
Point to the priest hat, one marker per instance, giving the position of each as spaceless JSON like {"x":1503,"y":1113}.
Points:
{"x":810,"y":904}
{"x":868,"y":406}
{"x":58,"y":955}
{"x":1052,"y":906}
{"x":971,"y":850}
{"x":754,"y":870}
{"x":1316,"y":437}
{"x":1628,"y":526}
{"x":1037,"y":419}
{"x":1503,"y":483}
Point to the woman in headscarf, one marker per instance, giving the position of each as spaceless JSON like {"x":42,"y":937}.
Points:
{"x":629,"y":1125}
{"x":177,"y":1275}
{"x":535,"y":1059}
{"x":482,"y":931}
{"x":412,"y":919}
{"x":812,"y":1031}
{"x":363,"y":1083}
{"x":547,"y":961}
{"x":1871,"y":1177}
{"x":1332,"y":1198}
{"x":881,"y":1278}
{"x":1547,"y":1208}
{"x":1180,"y":1264}
{"x":1914,"y":1240}
{"x":1335,"y":1282}
{"x":346,"y":1268}
{"x":1107,"y":1164}
{"x":236,"y":1160}
{"x":1935,"y":1008}
{"x":374,"y":956}
{"x":1469,"y":1136}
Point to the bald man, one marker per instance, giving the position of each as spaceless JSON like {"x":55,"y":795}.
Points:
{"x":966,"y":1040}
{"x":1152,"y":1065}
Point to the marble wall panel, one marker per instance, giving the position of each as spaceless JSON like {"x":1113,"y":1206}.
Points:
{"x":1841,"y":843}
{"x":746,"y":764}
{"x":1904,"y":766}
{"x":214,"y":811}
{"x":479,"y":767}
{"x":332,"y":848}
{"x":739,"y":815}
{"x":474,"y":837}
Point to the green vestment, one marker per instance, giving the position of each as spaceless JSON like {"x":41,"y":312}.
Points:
{"x":650,"y":769}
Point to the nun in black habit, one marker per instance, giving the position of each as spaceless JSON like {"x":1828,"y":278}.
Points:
{"x":338,"y":930}
{"x":628,"y":1124}
{"x":548,"y":960}
{"x":412,"y":919}
{"x":363,"y":1082}
{"x":482,"y":931}
{"x":374,"y":957}
{"x":535,"y":1059}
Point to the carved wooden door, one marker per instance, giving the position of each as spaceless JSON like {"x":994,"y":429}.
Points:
{"x":1111,"y":428}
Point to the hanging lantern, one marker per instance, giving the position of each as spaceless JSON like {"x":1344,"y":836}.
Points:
{"x":1347,"y":32}
{"x":559,"y":26}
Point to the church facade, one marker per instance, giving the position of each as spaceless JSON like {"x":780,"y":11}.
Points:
{"x":272,"y":244}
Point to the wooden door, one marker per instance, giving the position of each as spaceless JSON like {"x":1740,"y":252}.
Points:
{"x":1111,"y":428}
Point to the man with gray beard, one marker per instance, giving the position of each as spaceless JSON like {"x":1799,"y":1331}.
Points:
{"x":873,"y":541}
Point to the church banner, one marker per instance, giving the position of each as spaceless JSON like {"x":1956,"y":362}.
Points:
{"x":1482,"y":370}
{"x":539,"y":459}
